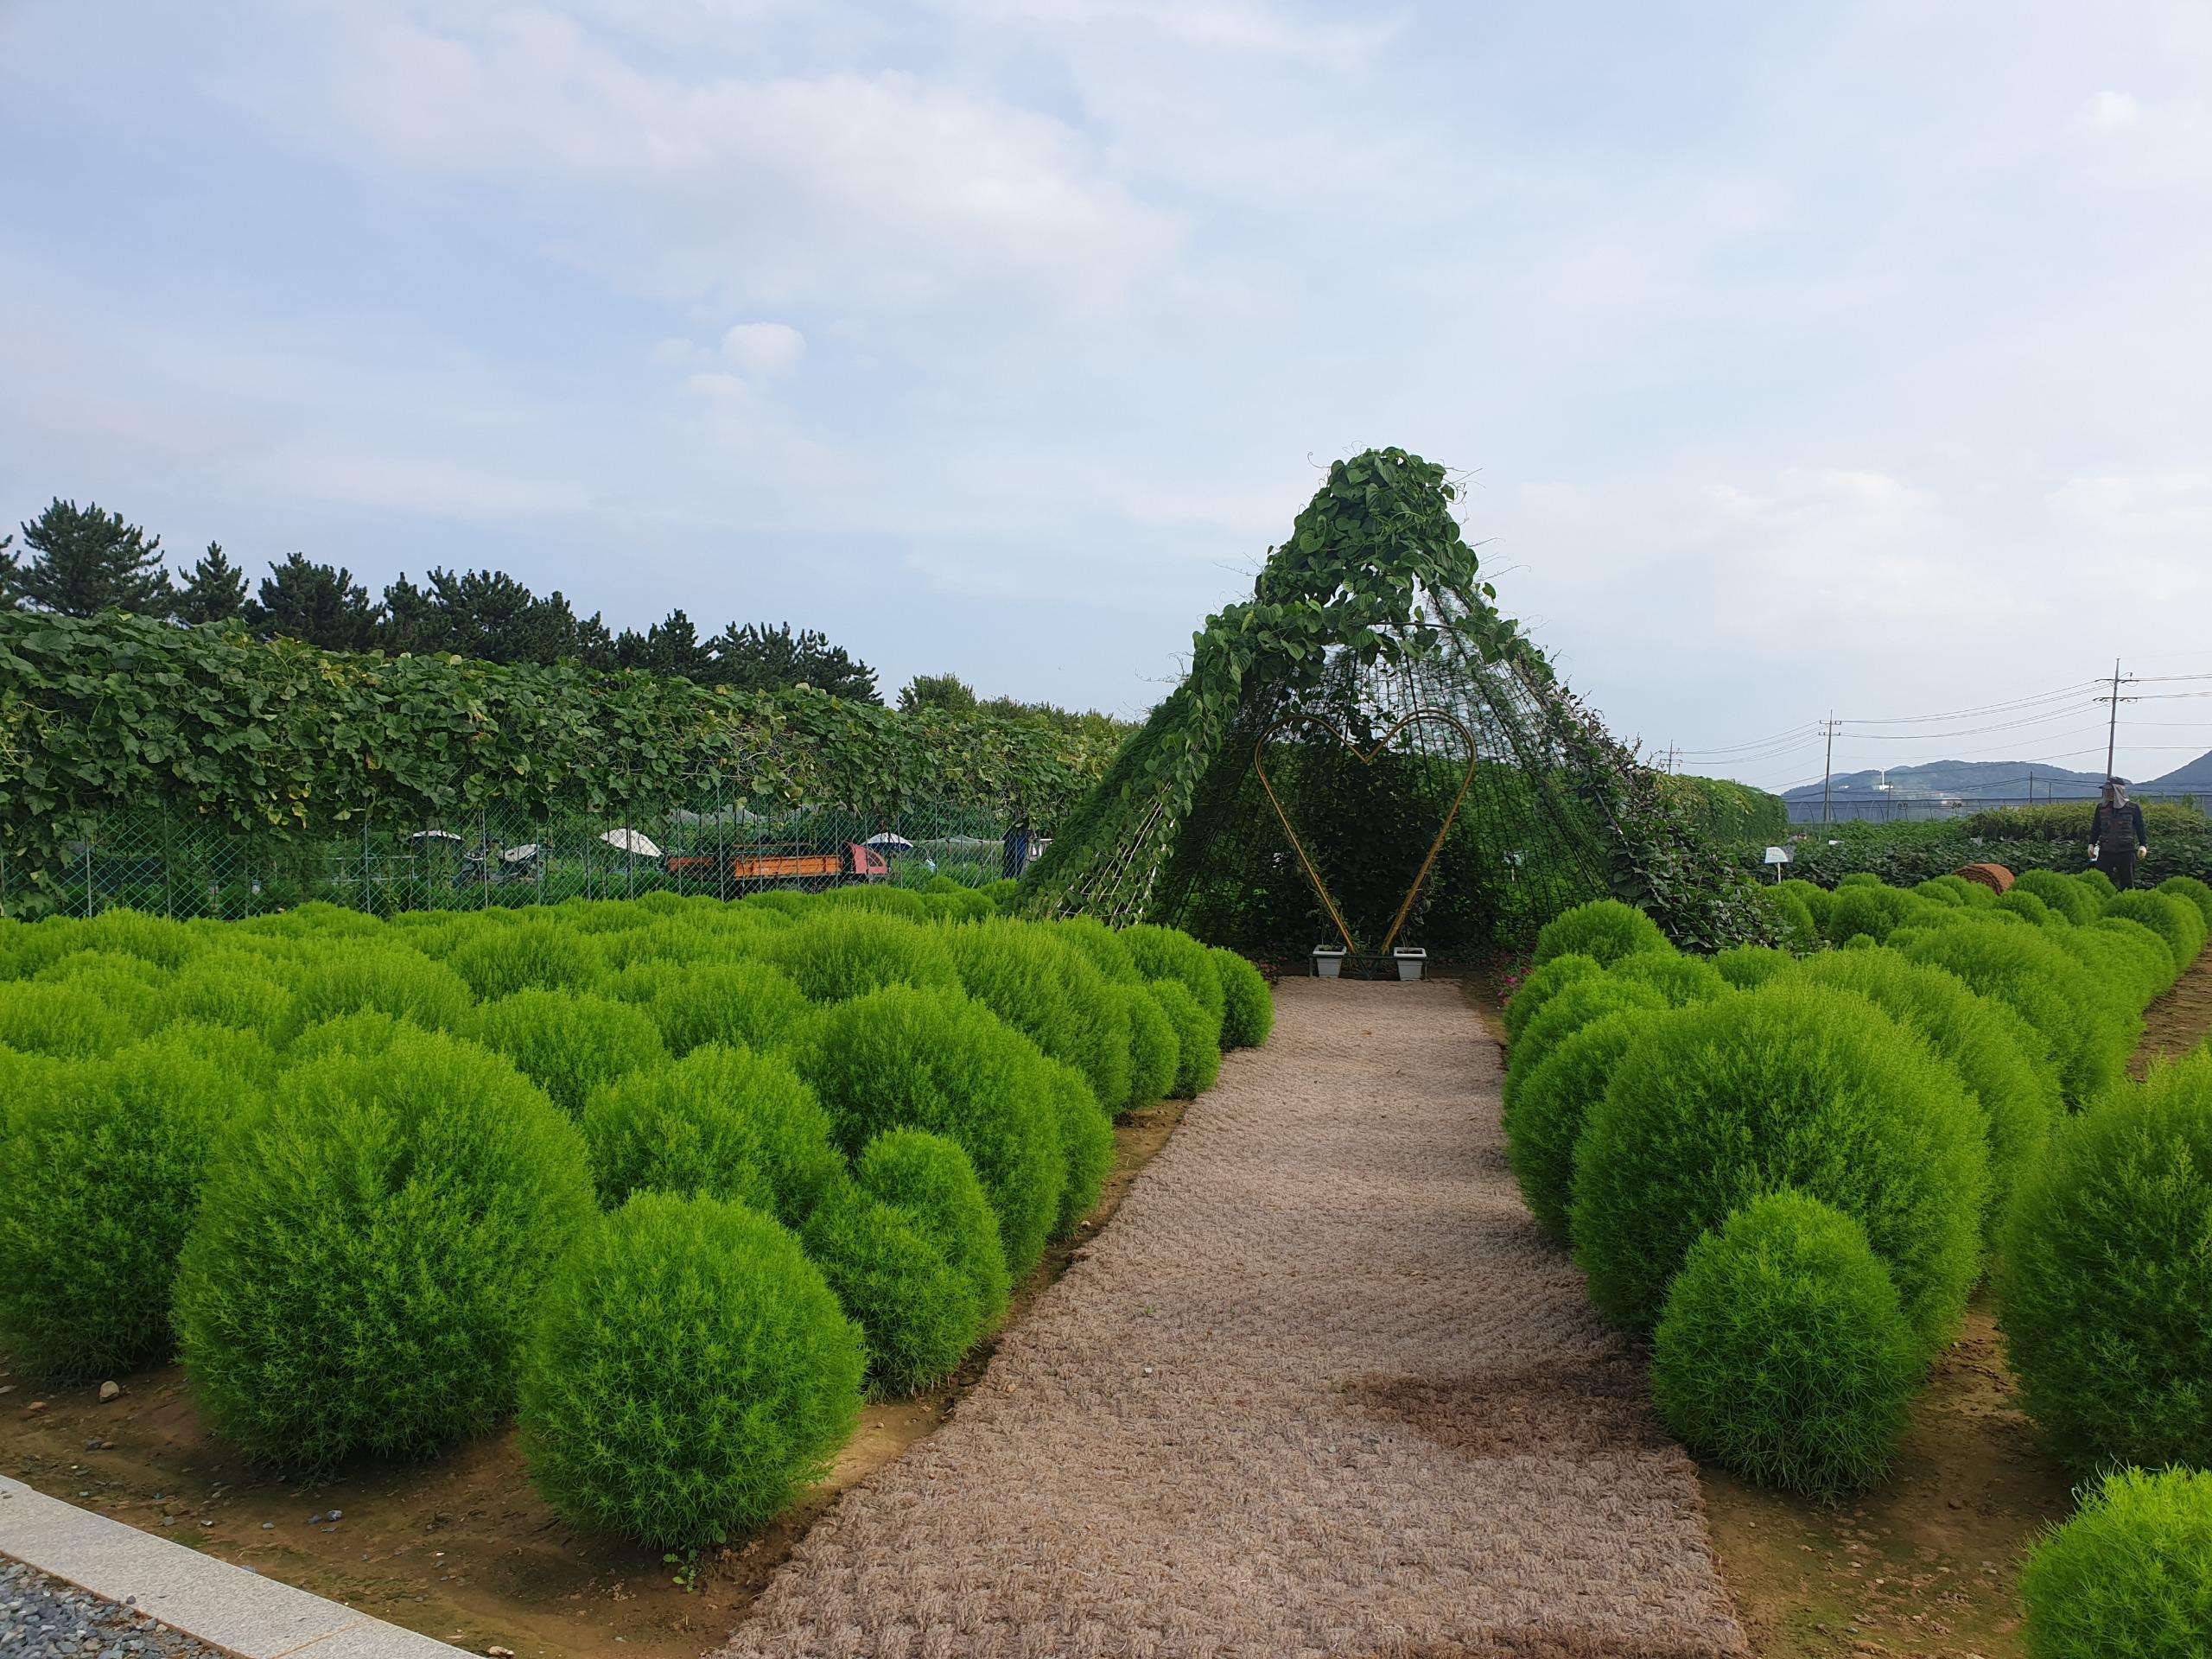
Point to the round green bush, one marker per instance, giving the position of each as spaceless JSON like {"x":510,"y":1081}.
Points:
{"x":1249,"y":1007}
{"x":725,"y":1123}
{"x":369,"y":1248}
{"x":127,"y":987}
{"x":27,"y":1080}
{"x":881,"y":900}
{"x":1749,"y":966}
{"x":2151,"y":957}
{"x":1198,"y":1039}
{"x":916,"y":1313}
{"x":2062,"y":893}
{"x":244,"y":1056}
{"x":2131,"y":1574}
{"x":2174,"y":920}
{"x":2027,"y":907}
{"x":1873,"y":910}
{"x":385,"y":979}
{"x":1794,"y":925}
{"x":1859,"y":878}
{"x":2104,"y":1287}
{"x":98,"y":1178}
{"x":1541,"y":985}
{"x":906,"y":1057}
{"x":1155,"y":1052}
{"x":1167,"y":953}
{"x":499,"y":961}
{"x":931,"y":1180}
{"x":1050,"y":993}
{"x":1680,"y":980}
{"x":1790,"y":1085}
{"x":836,"y":954}
{"x":1782,"y":1352}
{"x":154,"y":940}
{"x":2026,"y":968}
{"x":689,"y":1373}
{"x":1944,"y":890}
{"x":1544,"y":1119}
{"x":1573,"y":1007}
{"x":1103,"y":946}
{"x":748,"y":1004}
{"x":1818,"y":900}
{"x":2196,"y":892}
{"x":363,"y":1034}
{"x":228,"y":988}
{"x":2098,"y":883}
{"x":1995,"y":1056}
{"x":567,"y":1044}
{"x":1086,"y":1144}
{"x":1603,"y":929}
{"x":39,"y":1017}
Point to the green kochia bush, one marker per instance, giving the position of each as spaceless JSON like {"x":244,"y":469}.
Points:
{"x":2105,"y":1285}
{"x":1250,"y":1009}
{"x":904,"y":1057}
{"x":228,"y":988}
{"x":1782,"y":1350}
{"x":369,"y":1248}
{"x":1749,"y":966}
{"x":1680,"y":980}
{"x":2130,"y":1574}
{"x":498,"y":960}
{"x":1573,"y":1007}
{"x":2196,"y":892}
{"x":1155,"y":1053}
{"x":565,"y":1044}
{"x":2090,"y":1032}
{"x":1790,"y":1085}
{"x":839,"y":953}
{"x":1605,"y":929}
{"x":931,"y":1180}
{"x":98,"y":1178}
{"x":1086,"y":1144}
{"x":2172,"y":917}
{"x":1541,"y":985}
{"x":917,"y":1312}
{"x":1994,"y":1054}
{"x":723,"y":1122}
{"x":354,"y":978}
{"x":1166,"y":953}
{"x":1198,"y":1039}
{"x":1052,"y":994}
{"x":747,"y":1003}
{"x":1544,"y":1120}
{"x":41,"y":1018}
{"x":689,"y":1374}
{"x":2062,"y":893}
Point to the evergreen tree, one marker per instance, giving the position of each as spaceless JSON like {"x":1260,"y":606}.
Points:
{"x":669,"y":646}
{"x":946,"y":691}
{"x":314,"y":604}
{"x":10,"y":570}
{"x":757,"y":657}
{"x":82,"y":561}
{"x":214,"y":592}
{"x":410,"y":621}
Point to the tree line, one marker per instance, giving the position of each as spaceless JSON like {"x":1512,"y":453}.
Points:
{"x":81,"y":560}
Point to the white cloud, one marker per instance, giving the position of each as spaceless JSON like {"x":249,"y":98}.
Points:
{"x":764,"y":351}
{"x":2113,"y":110}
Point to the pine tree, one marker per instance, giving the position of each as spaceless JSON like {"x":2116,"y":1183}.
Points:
{"x":757,"y":657}
{"x":946,"y":691}
{"x":214,"y":592}
{"x":314,"y":604}
{"x":10,"y":569}
{"x":82,"y":561}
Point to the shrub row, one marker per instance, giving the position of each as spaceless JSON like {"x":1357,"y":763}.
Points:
{"x":675,"y":1179}
{"x":1791,"y":1169}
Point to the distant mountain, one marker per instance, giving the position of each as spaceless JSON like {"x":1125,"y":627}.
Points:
{"x":2196,"y":775}
{"x":1966,"y":780}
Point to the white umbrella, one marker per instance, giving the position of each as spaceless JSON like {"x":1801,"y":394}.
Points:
{"x":631,"y":840}
{"x":886,"y":838}
{"x":434,"y":835}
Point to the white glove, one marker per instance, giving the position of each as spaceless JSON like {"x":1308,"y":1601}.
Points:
{"x":2093,"y":849}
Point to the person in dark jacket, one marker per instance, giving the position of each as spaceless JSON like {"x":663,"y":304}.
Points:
{"x":2116,"y":837}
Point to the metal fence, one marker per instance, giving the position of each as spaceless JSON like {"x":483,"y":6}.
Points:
{"x":166,"y":864}
{"x":1893,"y":808}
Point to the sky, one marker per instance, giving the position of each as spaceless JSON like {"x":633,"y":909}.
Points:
{"x":1798,"y":360}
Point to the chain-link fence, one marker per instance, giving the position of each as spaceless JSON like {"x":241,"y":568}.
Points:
{"x":160,"y":862}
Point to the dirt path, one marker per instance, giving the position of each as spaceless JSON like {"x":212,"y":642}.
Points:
{"x":1321,"y":1388}
{"x":2178,"y":1021}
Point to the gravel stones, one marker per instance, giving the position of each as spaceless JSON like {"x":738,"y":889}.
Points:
{"x":45,"y":1618}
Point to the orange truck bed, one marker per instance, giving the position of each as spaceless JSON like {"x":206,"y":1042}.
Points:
{"x":768,"y":864}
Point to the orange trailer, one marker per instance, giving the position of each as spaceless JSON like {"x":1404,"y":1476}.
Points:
{"x":759,"y":867}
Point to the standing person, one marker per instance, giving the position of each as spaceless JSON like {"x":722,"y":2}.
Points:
{"x":2116,"y":837}
{"x":1016,"y":849}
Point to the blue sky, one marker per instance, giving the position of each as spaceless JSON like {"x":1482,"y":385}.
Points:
{"x":1801,"y":357}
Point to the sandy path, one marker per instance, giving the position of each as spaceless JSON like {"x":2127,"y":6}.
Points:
{"x":1319,"y":1389}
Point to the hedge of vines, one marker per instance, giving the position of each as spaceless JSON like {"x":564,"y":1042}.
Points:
{"x":282,"y":738}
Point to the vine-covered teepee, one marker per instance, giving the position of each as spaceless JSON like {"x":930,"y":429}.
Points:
{"x":1368,"y":727}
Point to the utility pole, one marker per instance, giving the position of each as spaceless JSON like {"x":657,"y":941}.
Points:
{"x":2112,"y":728}
{"x":1828,"y":767}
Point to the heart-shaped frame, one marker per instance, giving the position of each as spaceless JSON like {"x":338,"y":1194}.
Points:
{"x":1366,"y":758}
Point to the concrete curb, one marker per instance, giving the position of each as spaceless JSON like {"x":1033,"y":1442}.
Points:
{"x":210,"y":1600}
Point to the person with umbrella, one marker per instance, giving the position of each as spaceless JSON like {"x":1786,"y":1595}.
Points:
{"x":2116,"y":836}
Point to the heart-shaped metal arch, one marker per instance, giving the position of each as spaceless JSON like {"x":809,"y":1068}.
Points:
{"x":1366,"y":758}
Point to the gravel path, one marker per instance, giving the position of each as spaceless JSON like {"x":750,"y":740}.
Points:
{"x":1319,"y":1389}
{"x":44,"y":1618}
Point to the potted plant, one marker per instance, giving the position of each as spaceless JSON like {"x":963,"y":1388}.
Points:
{"x":1409,"y":958}
{"x":1329,"y":961}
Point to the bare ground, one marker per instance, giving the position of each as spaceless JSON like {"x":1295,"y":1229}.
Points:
{"x":1322,"y":1389}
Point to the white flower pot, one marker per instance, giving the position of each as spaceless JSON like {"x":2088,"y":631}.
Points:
{"x":1329,"y":961}
{"x":1409,"y":961}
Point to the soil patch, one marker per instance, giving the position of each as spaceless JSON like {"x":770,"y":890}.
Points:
{"x":462,"y":1549}
{"x":2180,"y":1020}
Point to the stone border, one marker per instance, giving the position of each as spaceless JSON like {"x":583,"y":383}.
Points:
{"x":226,"y":1606}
